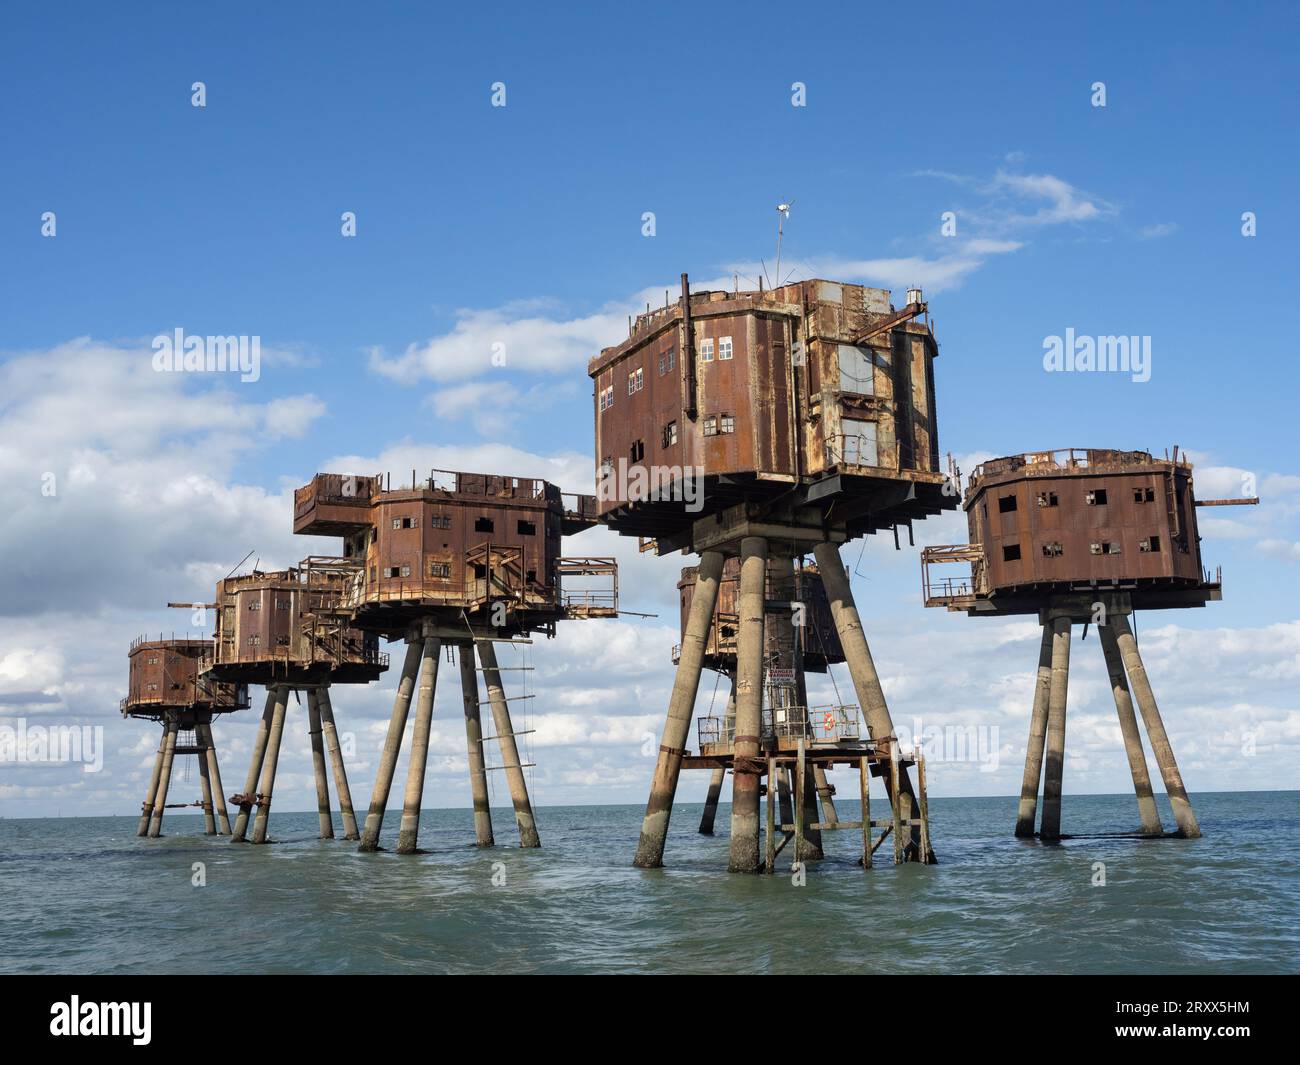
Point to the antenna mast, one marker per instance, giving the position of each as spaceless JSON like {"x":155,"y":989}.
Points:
{"x":783,"y":210}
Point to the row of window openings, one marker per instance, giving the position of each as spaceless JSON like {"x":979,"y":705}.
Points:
{"x":667,"y":362}
{"x":280,"y":604}
{"x":441,"y":571}
{"x":523,"y":528}
{"x":1095,"y":498}
{"x":714,"y":425}
{"x":1011,"y":552}
{"x":436,"y":521}
{"x":256,"y":640}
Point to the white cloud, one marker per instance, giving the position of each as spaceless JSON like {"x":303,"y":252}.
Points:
{"x":933,"y":274}
{"x":519,"y":335}
{"x":1287,"y":550}
{"x":139,"y":465}
{"x":1065,"y":202}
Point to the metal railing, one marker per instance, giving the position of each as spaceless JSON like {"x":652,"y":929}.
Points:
{"x":1068,"y":458}
{"x":961,"y":589}
{"x":589,"y":602}
{"x":818,"y":724}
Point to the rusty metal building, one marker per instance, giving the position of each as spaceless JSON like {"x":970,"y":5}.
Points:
{"x":166,"y":685}
{"x":464,"y":560}
{"x":1080,"y":537}
{"x":1077,"y":520}
{"x":762,"y":426}
{"x":289,"y":626}
{"x":815,"y":391}
{"x":456,"y":546}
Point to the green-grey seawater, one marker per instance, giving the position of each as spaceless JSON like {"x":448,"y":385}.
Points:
{"x":85,"y":895}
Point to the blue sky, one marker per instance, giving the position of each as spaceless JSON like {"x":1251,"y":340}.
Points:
{"x":524,"y":224}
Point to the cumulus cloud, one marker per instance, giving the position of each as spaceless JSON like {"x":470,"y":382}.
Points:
{"x":1061,"y":201}
{"x":532,"y":336}
{"x":114,"y":479}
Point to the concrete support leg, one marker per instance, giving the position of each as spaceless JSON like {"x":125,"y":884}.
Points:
{"x":895,"y":774}
{"x":784,"y":790}
{"x":214,"y":772}
{"x":254,"y":769}
{"x":681,"y":707}
{"x":1037,"y":737}
{"x":826,"y":793}
{"x":1056,"y":699}
{"x":408,"y":833}
{"x":718,"y":776}
{"x":331,"y":736}
{"x":866,"y":681}
{"x":392,"y":746}
{"x":205,"y":778}
{"x":812,"y":837}
{"x":710,"y":814}
{"x":323,"y":813}
{"x":501,"y":725}
{"x":864,"y":800}
{"x":745,"y":772}
{"x":1146,"y":700}
{"x":146,"y":811}
{"x":164,"y":779}
{"x":474,"y":748}
{"x":1128,"y":726}
{"x":262,"y":817}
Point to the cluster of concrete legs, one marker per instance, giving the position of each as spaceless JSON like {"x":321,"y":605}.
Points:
{"x":255,"y":801}
{"x":420,"y":667}
{"x":422,"y":654}
{"x":1044,"y":759}
{"x":1128,"y":680}
{"x":748,"y":764}
{"x":155,"y":800}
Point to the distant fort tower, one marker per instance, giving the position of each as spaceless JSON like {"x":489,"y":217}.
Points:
{"x":288,"y":630}
{"x":467,"y":560}
{"x":762,"y":426}
{"x":165,"y":685}
{"x":1080,"y":537}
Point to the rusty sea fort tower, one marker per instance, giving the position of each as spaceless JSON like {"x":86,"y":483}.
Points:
{"x":461,"y":561}
{"x":1075,"y":537}
{"x":166,"y":685}
{"x":288,"y":630}
{"x":802,"y":417}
